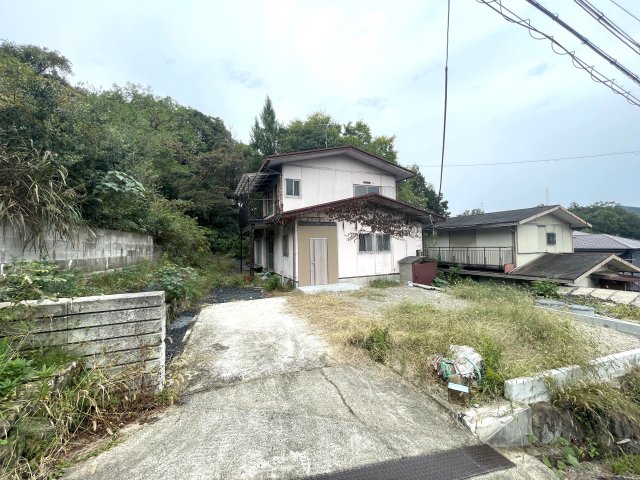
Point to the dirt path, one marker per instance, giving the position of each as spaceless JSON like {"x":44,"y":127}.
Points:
{"x":265,"y":399}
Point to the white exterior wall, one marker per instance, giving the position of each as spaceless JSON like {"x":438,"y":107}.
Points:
{"x":532,"y":238}
{"x":329,"y":179}
{"x":482,"y":237}
{"x":352,"y":263}
{"x":283,"y":265}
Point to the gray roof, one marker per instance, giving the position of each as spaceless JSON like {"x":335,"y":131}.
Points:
{"x":509,"y":217}
{"x":565,"y":266}
{"x":603,"y":241}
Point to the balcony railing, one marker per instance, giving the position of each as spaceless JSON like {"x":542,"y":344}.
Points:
{"x":479,"y":257}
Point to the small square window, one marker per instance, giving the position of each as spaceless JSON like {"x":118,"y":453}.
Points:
{"x":383,"y":242}
{"x":285,"y":245}
{"x":365,"y":242}
{"x":551,"y":238}
{"x":292,"y":188}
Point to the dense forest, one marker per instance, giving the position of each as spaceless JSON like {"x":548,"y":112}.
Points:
{"x":609,"y":217}
{"x":127,"y":159}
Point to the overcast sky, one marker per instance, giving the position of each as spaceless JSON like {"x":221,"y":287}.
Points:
{"x":511,"y":99}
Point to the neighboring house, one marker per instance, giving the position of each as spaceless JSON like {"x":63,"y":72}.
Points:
{"x":627,"y":249}
{"x":526,"y":244}
{"x":310,"y":216}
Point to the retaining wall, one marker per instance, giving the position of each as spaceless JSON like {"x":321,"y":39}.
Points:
{"x":89,"y":250}
{"x":115,"y":331}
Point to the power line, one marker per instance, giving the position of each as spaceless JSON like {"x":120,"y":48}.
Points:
{"x":586,"y":41}
{"x":612,"y":27}
{"x":634,"y":152}
{"x":624,"y":9}
{"x":446,"y":90}
{"x":596,"y":76}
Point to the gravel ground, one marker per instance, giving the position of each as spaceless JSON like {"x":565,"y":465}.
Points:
{"x":371,"y":299}
{"x":607,"y":341}
{"x":232,"y":294}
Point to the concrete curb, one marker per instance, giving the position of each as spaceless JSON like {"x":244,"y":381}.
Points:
{"x":534,"y":389}
{"x":621,"y":326}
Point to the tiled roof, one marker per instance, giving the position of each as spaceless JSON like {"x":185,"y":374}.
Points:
{"x":507,"y":217}
{"x":562,"y":266}
{"x":603,"y":241}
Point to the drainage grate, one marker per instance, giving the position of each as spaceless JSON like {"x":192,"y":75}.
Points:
{"x":456,"y":464}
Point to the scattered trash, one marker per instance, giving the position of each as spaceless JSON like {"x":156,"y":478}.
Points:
{"x":464,"y":361}
{"x":458,"y":390}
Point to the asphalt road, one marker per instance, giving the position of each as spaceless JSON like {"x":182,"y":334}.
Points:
{"x":266,"y":400}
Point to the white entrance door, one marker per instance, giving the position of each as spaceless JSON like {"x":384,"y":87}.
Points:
{"x":319,"y":270}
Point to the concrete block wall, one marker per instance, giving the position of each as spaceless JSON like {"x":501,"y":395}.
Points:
{"x":114,"y":331}
{"x":89,"y":250}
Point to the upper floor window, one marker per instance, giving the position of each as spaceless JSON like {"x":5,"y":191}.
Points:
{"x":268,"y":203}
{"x":551,"y":238}
{"x":292,"y":188}
{"x":359,"y":190}
{"x":369,"y":242}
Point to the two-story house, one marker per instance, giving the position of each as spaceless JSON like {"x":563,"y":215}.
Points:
{"x":318,"y":216}
{"x":525,"y":244}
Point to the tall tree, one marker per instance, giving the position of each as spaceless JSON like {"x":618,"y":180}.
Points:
{"x":609,"y":217}
{"x":420,"y":193}
{"x":266,"y":131}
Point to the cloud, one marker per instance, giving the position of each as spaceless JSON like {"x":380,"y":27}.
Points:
{"x":372,"y":102}
{"x":243,"y":77}
{"x":538,"y":70}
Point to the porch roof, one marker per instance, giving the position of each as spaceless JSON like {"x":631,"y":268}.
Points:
{"x":253,"y":182}
{"x":371,"y":199}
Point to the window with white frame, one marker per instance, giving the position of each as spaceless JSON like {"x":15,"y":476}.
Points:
{"x":285,"y":245}
{"x":292,"y":187}
{"x":369,"y":242}
{"x":359,"y":190}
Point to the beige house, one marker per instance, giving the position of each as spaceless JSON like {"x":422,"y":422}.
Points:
{"x":526,"y":244}
{"x":312,"y":216}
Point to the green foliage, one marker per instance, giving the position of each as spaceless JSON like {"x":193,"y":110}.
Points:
{"x":626,"y":312}
{"x":473,"y":211}
{"x":609,"y":217}
{"x":384,"y":283}
{"x":178,"y":283}
{"x":274,"y":283}
{"x":625,"y":465}
{"x":595,"y":405}
{"x":630,"y":384}
{"x":377,"y":341}
{"x":35,"y":198}
{"x":418,"y":192}
{"x":440,"y":282}
{"x":545,"y":289}
{"x":35,"y":280}
{"x":492,"y":381}
{"x":266,"y":132}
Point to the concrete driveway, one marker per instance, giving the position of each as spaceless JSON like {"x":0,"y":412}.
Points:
{"x":264,"y":399}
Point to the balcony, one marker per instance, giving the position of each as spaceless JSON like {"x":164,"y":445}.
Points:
{"x":478,"y":257}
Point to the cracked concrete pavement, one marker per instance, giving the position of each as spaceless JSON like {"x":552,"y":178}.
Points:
{"x":264,"y":399}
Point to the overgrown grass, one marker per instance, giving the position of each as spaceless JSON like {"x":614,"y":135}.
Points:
{"x":383,"y":283}
{"x":597,"y":405}
{"x":624,"y":312}
{"x":625,"y":465}
{"x":500,"y":323}
{"x":93,"y":404}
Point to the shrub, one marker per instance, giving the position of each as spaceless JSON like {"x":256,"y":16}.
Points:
{"x":377,"y":342}
{"x":178,"y":283}
{"x":37,"y":279}
{"x":545,"y":289}
{"x":383,"y":283}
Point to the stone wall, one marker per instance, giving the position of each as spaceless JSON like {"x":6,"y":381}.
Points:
{"x":114,"y":331}
{"x":89,"y":250}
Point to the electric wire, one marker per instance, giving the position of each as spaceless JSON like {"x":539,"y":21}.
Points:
{"x":608,"y":24}
{"x":558,"y":159}
{"x":624,"y":9}
{"x":596,"y":76}
{"x":446,"y":90}
{"x":556,"y":18}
